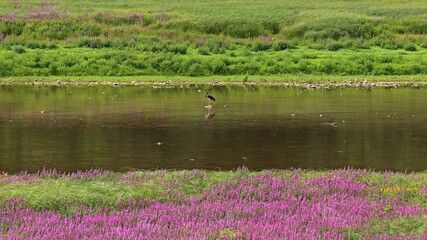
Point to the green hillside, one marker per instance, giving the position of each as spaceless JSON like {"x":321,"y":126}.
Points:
{"x":209,"y":38}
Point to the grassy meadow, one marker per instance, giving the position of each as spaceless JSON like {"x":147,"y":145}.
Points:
{"x":213,"y":39}
{"x":197,"y":204}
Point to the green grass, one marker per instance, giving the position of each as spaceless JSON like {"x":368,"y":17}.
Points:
{"x":65,"y":194}
{"x":211,"y":38}
{"x":130,"y":62}
{"x":68,"y":196}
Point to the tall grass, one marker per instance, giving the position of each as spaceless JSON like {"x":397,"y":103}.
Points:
{"x":213,"y":38}
{"x":92,"y":57}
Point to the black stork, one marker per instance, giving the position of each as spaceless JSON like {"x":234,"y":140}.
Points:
{"x":210,"y":97}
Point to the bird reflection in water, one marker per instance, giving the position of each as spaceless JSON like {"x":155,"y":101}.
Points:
{"x":209,"y":115}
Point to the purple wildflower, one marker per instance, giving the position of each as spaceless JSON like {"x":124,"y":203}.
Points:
{"x":11,"y":16}
{"x":269,"y":205}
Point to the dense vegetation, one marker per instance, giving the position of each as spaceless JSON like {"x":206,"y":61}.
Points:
{"x":134,"y":38}
{"x":340,"y":204}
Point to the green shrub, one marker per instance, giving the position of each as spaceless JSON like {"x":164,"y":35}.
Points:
{"x":417,"y":26}
{"x":386,"y":42}
{"x":239,"y":28}
{"x":203,"y":50}
{"x":334,"y":46}
{"x":261,"y":46}
{"x":53,"y":69}
{"x":69,"y":61}
{"x":272,"y":26}
{"x":308,"y":56}
{"x":197,"y":69}
{"x":177,"y":48}
{"x":52,"y":46}
{"x":89,"y":43}
{"x":148,"y":20}
{"x":306,"y":67}
{"x":218,"y":66}
{"x":19,"y":49}
{"x":35,"y":44}
{"x":9,"y":43}
{"x":93,"y":43}
{"x":232,"y":54}
{"x":333,"y":28}
{"x":58,"y":30}
{"x":410,"y":47}
{"x":138,"y":64}
{"x":211,"y":46}
{"x":353,"y":44}
{"x":281,"y":45}
{"x":12,"y":27}
{"x":156,"y":47}
{"x":317,"y":46}
{"x":5,"y":68}
{"x":89,"y":30}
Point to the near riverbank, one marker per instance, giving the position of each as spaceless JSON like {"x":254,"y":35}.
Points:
{"x":307,"y":81}
{"x":297,"y":204}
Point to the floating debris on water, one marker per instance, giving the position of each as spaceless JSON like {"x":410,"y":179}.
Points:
{"x":332,"y":124}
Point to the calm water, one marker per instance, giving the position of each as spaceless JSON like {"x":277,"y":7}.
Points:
{"x":134,"y":127}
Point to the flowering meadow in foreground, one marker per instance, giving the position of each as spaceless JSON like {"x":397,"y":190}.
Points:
{"x":288,"y":204}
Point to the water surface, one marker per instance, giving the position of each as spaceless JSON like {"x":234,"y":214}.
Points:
{"x":140,"y":127}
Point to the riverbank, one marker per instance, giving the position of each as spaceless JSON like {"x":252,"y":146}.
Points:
{"x":339,"y":204}
{"x":39,"y":38}
{"x":306,"y":81}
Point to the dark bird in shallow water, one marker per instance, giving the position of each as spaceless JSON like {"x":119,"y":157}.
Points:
{"x":210,"y":97}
